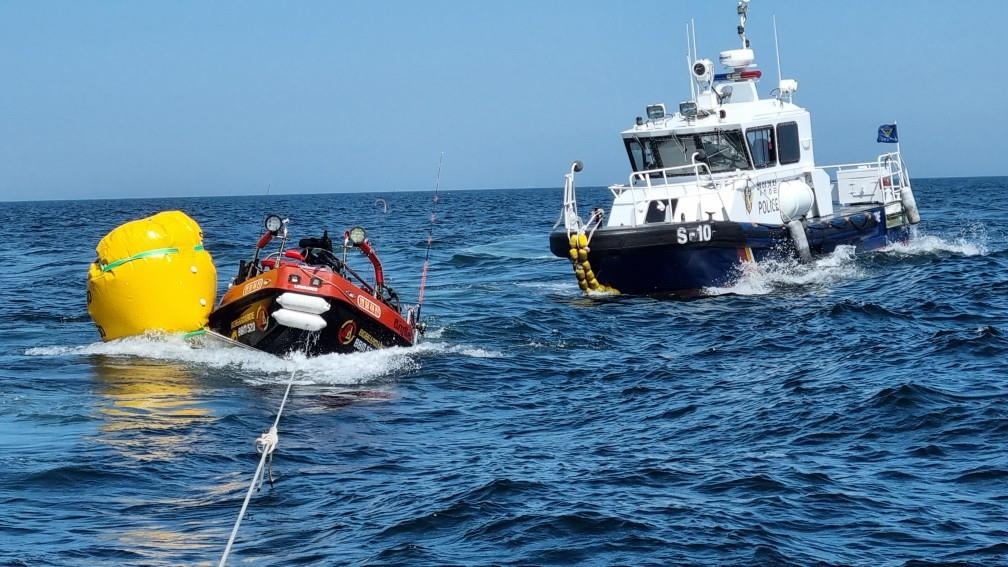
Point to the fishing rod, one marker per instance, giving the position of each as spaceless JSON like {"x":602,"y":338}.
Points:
{"x":430,"y":237}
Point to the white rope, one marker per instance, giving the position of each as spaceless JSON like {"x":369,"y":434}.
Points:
{"x":265,"y":444}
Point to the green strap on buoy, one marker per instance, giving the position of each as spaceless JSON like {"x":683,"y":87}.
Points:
{"x":146,"y":254}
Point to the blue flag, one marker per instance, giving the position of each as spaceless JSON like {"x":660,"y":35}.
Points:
{"x":887,"y":134}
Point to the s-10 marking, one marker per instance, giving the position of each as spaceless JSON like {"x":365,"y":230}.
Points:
{"x":701,"y":233}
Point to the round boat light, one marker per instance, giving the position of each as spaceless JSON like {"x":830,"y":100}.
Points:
{"x":273,"y":223}
{"x":357,"y":235}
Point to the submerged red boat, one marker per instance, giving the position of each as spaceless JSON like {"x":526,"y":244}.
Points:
{"x":309,"y":299}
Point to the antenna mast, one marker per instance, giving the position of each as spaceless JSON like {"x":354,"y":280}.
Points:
{"x":693,"y":33}
{"x":743,"y":11}
{"x":689,"y":63}
{"x":693,"y":85}
{"x":776,"y":48}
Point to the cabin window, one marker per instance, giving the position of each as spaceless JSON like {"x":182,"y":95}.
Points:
{"x":724,"y":150}
{"x":762,"y":147}
{"x":636,"y":154}
{"x":641,"y":155}
{"x":788,"y":148}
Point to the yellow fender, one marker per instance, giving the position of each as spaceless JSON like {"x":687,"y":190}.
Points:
{"x":582,"y":267}
{"x":151,"y":274}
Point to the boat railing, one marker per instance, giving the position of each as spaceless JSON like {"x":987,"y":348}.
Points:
{"x":353,"y":277}
{"x":569,"y":215}
{"x":644,"y":178}
{"x":338,"y":266}
{"x":893,"y":164}
{"x":696,"y":175}
{"x":888,"y":172}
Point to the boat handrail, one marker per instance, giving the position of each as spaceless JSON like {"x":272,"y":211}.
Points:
{"x":892,"y":175}
{"x":699,"y":169}
{"x":568,"y":214}
{"x":648,"y":174}
{"x":878,"y":162}
{"x":360,"y":281}
{"x":276,"y":259}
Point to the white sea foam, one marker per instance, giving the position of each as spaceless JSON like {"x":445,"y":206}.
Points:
{"x":972,"y":241}
{"x":353,"y":368}
{"x":564,"y":286}
{"x":331,"y":369}
{"x":768,"y":276}
{"x":261,"y":368}
{"x":474,"y":352}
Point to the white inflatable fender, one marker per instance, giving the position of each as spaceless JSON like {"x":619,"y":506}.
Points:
{"x":301,"y":302}
{"x":796,"y":198}
{"x":299,"y":320}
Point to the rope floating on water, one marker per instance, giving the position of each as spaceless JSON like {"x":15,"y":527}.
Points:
{"x":264,"y":444}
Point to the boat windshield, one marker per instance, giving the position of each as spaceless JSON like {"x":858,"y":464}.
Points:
{"x":724,"y":149}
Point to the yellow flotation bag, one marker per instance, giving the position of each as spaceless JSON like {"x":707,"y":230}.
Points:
{"x":151,"y":274}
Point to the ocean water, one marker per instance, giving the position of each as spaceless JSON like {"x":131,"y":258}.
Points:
{"x":849,"y":412}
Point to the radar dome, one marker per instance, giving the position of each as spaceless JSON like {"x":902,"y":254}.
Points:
{"x":737,"y":58}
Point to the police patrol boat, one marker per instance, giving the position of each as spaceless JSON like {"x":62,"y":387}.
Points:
{"x":310,"y":300}
{"x":729,"y":178}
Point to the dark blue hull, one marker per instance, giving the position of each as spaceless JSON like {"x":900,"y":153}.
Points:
{"x":685,"y":258}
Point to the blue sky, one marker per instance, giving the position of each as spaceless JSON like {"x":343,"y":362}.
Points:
{"x":153,"y":99}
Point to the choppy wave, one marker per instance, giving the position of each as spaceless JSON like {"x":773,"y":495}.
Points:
{"x":328,"y":369}
{"x":973,"y":242}
{"x":848,"y":411}
{"x":843,"y":264}
{"x":780,"y":275}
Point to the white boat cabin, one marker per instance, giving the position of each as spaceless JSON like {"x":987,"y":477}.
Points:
{"x":729,"y":155}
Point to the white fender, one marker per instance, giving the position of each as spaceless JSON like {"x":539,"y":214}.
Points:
{"x":797,"y":231}
{"x":909,"y":204}
{"x":301,"y":302}
{"x":299,"y":320}
{"x":796,"y":199}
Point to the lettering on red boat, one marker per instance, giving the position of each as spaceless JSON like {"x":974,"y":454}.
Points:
{"x":244,"y":324}
{"x":368,"y":306}
{"x":370,"y":339}
{"x":254,"y":286}
{"x":401,"y":327}
{"x":246,"y":317}
{"x":245,"y":329}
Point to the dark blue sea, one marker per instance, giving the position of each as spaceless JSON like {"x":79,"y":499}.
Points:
{"x":849,"y":412}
